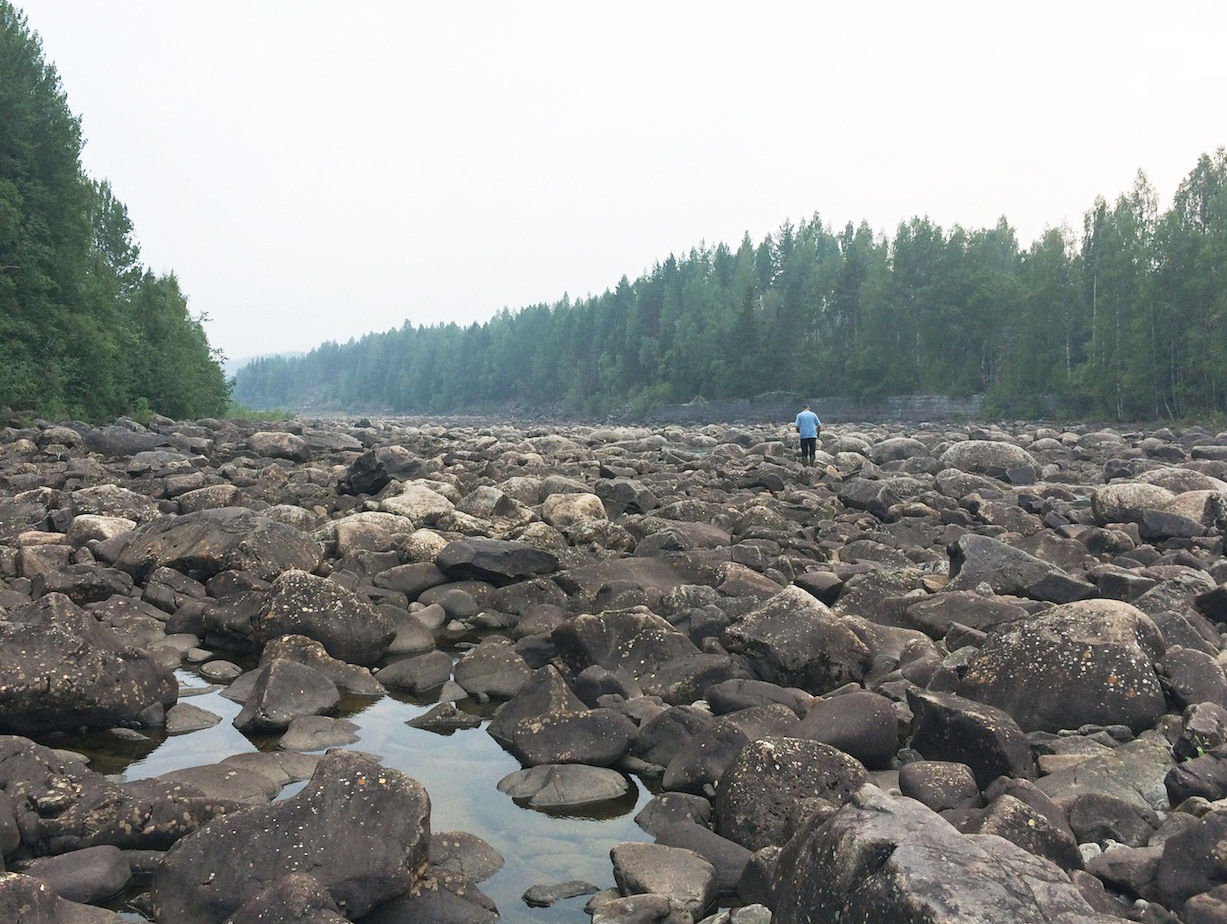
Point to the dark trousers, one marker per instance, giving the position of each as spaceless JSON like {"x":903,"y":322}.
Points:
{"x":809,"y":448}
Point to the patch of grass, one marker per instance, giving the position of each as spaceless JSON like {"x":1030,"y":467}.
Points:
{"x":243,"y":412}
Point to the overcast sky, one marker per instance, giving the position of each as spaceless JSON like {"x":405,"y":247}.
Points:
{"x":313,"y":171}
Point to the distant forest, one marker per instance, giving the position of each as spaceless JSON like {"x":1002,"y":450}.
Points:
{"x":1126,"y":319}
{"x":85,"y":329}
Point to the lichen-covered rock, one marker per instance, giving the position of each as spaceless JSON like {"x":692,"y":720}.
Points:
{"x":361,"y":829}
{"x":1089,"y":662}
{"x":881,"y":858}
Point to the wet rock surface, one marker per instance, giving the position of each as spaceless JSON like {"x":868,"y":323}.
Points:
{"x":949,"y":673}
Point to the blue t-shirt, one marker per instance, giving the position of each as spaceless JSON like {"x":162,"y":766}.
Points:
{"x":808,"y":424}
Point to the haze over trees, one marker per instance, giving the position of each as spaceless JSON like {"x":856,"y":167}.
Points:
{"x":85,"y":329}
{"x":1126,"y":319}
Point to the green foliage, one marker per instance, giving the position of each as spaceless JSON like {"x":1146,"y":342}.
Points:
{"x":1129,"y":322}
{"x":85,"y":330}
{"x":236,"y":411}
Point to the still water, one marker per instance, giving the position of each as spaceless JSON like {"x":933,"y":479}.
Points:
{"x":460,"y":771}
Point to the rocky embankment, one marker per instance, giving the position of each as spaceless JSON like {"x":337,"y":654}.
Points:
{"x":949,"y":674}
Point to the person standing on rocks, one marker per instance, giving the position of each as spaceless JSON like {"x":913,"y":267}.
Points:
{"x":808,"y":428}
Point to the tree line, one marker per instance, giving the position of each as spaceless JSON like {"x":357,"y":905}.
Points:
{"x":1125,"y":319}
{"x":85,"y":329}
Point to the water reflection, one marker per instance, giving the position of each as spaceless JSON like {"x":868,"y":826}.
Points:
{"x":460,"y":772}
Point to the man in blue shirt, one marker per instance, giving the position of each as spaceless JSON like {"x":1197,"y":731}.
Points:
{"x":808,"y":427}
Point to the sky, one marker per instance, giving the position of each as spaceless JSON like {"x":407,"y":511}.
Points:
{"x":315,"y":171}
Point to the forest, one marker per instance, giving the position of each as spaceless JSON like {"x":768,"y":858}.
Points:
{"x":85,"y":329}
{"x":1123,"y":318}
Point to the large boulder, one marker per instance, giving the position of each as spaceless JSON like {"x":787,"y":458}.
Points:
{"x":761,"y":788}
{"x":361,"y":829}
{"x":349,"y":627}
{"x":794,"y":640}
{"x":637,"y":640}
{"x":494,"y":560}
{"x":1089,"y":662}
{"x":60,"y":669}
{"x":880,"y":858}
{"x":208,"y":542}
{"x":1126,"y":501}
{"x":951,"y":728}
{"x":988,"y":457}
{"x":976,"y":560}
{"x":56,"y":805}
{"x":27,"y":900}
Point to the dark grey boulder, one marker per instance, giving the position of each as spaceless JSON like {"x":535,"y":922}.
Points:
{"x":497,"y":561}
{"x":225,"y":781}
{"x":873,"y":496}
{"x":412,"y":634}
{"x":60,"y":668}
{"x":685,"y":678}
{"x":543,"y":895}
{"x":935,"y":614}
{"x":794,"y":640}
{"x":546,"y":693}
{"x":727,"y":856}
{"x":83,"y":584}
{"x":976,"y":560}
{"x":681,"y":875}
{"x":282,"y":691}
{"x":1115,"y":794}
{"x":702,"y":760}
{"x":208,"y":542}
{"x":444,"y":718}
{"x":596,"y":737}
{"x":412,"y":579}
{"x":648,"y":908}
{"x":27,"y":900}
{"x":492,"y":669}
{"x":881,"y":858}
{"x":557,"y":786}
{"x":637,"y":640}
{"x":1016,"y":821}
{"x":1089,"y":662}
{"x":90,"y":875}
{"x":317,"y":732}
{"x":464,"y":854}
{"x":1189,"y":864}
{"x":298,"y":648}
{"x":661,"y":738}
{"x":1190,"y":677}
{"x":733,"y":695}
{"x":363,"y":829}
{"x":115,"y":442}
{"x":769,"y":777}
{"x":986,"y":739}
{"x":861,"y":724}
{"x":297,"y":898}
{"x":624,"y":495}
{"x":349,"y":626}
{"x":439,"y":898}
{"x":418,"y":674}
{"x":940,"y":784}
{"x":76,"y":808}
{"x":670,"y":808}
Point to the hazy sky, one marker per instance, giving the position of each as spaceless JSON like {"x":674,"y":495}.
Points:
{"x":313,"y":171}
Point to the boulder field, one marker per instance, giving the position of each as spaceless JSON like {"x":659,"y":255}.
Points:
{"x":947,"y":674}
